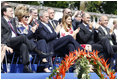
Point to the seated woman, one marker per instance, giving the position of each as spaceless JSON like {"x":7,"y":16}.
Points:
{"x":25,"y":29}
{"x":67,"y":29}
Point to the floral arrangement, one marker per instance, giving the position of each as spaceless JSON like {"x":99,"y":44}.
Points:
{"x":92,"y":58}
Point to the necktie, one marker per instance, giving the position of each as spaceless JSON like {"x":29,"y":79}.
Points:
{"x":53,"y":24}
{"x":11,"y":27}
{"x":87,"y":27}
{"x":36,"y":21}
{"x":105,"y":30}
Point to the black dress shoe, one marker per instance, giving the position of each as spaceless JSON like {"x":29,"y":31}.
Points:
{"x":42,"y":54}
{"x":40,"y":69}
{"x":27,"y":70}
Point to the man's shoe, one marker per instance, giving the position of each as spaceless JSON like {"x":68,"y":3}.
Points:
{"x":42,"y":54}
{"x":27,"y":70}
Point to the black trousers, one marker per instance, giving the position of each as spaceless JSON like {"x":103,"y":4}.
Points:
{"x":22,"y":44}
{"x":104,"y":46}
{"x":65,"y":42}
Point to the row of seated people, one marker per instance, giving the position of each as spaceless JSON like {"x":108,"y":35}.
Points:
{"x":45,"y":36}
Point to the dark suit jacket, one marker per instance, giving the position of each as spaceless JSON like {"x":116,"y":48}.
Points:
{"x":56,"y":22}
{"x":6,"y":31}
{"x":85,"y":36}
{"x":75,"y":24}
{"x":101,"y":34}
{"x":43,"y":33}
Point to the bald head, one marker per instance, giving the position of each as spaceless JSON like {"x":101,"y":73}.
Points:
{"x":67,"y":11}
{"x":103,"y":21}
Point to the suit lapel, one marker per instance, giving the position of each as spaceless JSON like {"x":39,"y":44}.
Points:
{"x":5,"y":24}
{"x":102,"y":31}
{"x":13,"y":24}
{"x":84,"y":28}
{"x":51,"y":27}
{"x":45,"y":28}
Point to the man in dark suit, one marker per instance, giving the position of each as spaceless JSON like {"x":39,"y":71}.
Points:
{"x":52,"y":22}
{"x":45,"y":31}
{"x":87,"y":35}
{"x":77,"y":19}
{"x":10,"y":37}
{"x":104,"y":32}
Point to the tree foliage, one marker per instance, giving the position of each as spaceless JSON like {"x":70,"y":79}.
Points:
{"x":62,"y":4}
{"x":108,"y":7}
{"x":93,"y":6}
{"x":27,"y":2}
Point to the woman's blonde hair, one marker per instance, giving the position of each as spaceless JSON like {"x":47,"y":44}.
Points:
{"x":64,"y":21}
{"x":21,"y":11}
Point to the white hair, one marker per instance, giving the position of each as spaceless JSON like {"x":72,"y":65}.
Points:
{"x":41,"y":13}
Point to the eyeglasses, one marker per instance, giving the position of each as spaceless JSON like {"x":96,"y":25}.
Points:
{"x":26,"y":16}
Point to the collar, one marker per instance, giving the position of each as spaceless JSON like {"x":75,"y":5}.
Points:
{"x":6,"y":18}
{"x":44,"y":23}
{"x":50,"y":20}
{"x":84,"y":24}
{"x":103,"y":27}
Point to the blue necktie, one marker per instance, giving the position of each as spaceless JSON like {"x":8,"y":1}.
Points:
{"x":87,"y":27}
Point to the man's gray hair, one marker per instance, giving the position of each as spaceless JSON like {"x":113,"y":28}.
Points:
{"x":41,"y":13}
{"x":32,"y":9}
{"x":101,"y":17}
{"x":84,"y":14}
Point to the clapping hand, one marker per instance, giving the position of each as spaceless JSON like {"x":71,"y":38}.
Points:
{"x":34,"y":28}
{"x":97,"y":25}
{"x":90,"y":25}
{"x":30,"y":19}
{"x":58,"y":28}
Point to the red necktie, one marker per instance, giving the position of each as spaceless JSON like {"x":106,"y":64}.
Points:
{"x":11,"y":27}
{"x":36,"y":21}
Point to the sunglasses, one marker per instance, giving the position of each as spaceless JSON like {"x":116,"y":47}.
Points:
{"x":26,"y":16}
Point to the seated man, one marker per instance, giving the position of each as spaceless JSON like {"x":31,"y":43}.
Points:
{"x":12,"y":39}
{"x":77,"y":19}
{"x":52,"y":22}
{"x":104,"y":32}
{"x":45,"y":31}
{"x":87,"y":35}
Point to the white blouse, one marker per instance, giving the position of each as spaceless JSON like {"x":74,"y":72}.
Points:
{"x":64,"y":33}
